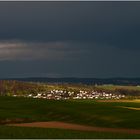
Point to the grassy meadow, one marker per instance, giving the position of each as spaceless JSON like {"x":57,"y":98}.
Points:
{"x":87,"y":112}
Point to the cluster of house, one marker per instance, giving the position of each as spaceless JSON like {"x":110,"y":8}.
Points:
{"x":81,"y":94}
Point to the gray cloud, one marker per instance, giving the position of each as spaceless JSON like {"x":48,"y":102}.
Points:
{"x":67,"y":59}
{"x":21,"y":50}
{"x":18,"y":50}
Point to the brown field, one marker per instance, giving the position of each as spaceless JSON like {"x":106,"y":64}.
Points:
{"x":62,"y":125}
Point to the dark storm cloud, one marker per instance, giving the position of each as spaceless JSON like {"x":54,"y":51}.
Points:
{"x":111,"y":23}
{"x":66,"y":59}
{"x":86,"y":39}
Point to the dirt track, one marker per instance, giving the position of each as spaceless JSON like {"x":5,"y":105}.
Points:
{"x":71,"y":126}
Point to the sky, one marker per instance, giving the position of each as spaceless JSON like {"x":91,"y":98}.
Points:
{"x":69,"y":39}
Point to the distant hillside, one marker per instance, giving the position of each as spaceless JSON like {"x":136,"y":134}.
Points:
{"x":15,"y":87}
{"x":88,"y":81}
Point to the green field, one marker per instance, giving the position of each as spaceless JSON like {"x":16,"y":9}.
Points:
{"x":26,"y":133}
{"x":113,"y":87}
{"x":87,"y":112}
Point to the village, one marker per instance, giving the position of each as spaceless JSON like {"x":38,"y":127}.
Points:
{"x":81,"y":94}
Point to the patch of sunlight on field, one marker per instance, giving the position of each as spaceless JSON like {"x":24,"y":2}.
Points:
{"x":121,"y":100}
{"x":134,"y":100}
{"x":137,"y":100}
{"x":113,"y":87}
{"x":131,"y":108}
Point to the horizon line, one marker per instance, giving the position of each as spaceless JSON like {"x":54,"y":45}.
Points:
{"x":69,"y":77}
